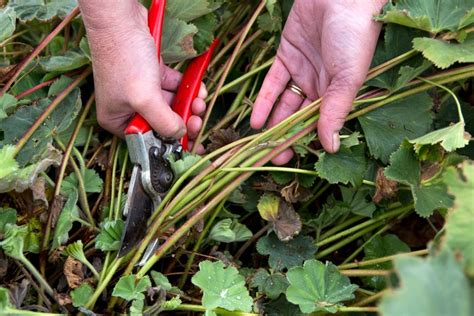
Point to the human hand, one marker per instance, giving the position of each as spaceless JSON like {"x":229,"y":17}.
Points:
{"x":326,"y":49}
{"x":128,"y":77}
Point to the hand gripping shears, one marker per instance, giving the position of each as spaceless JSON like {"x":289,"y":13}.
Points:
{"x":152,"y":175}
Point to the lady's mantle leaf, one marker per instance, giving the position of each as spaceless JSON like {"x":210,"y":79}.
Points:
{"x":272,"y":285}
{"x":71,"y":60}
{"x":386,"y":127}
{"x":222,"y":287}
{"x":405,"y":168}
{"x":81,"y":295}
{"x":7,"y":23}
{"x":460,"y":221}
{"x":182,"y":165}
{"x":286,"y":222}
{"x":41,"y":10}
{"x":444,"y":54}
{"x":450,"y":138}
{"x":92,"y":182}
{"x":286,"y":254}
{"x":433,"y":16}
{"x":7,"y":217}
{"x":318,"y":287}
{"x":8,"y":163}
{"x":110,"y":234}
{"x":433,"y":286}
{"x":5,"y":304}
{"x":68,"y":215}
{"x":348,"y":165}
{"x":129,"y":288}
{"x":228,"y":230}
{"x":7,"y":104}
{"x":381,"y":247}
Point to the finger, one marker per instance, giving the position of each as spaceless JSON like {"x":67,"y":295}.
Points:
{"x":154,"y":108}
{"x":283,"y":158}
{"x":170,"y":78}
{"x":202,"y":91}
{"x":335,"y":106}
{"x":200,"y":150}
{"x":274,"y":84}
{"x":194,"y":126}
{"x":198,"y":107}
{"x":289,"y":103}
{"x":169,"y":96}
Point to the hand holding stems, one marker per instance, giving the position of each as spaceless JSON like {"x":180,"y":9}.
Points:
{"x":326,"y":49}
{"x":128,"y":77}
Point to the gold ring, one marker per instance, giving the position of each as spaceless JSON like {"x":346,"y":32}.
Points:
{"x":293,"y":87}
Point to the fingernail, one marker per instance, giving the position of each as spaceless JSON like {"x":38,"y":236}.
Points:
{"x":335,"y":142}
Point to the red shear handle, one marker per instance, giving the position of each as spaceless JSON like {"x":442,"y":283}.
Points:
{"x":189,"y":88}
{"x":156,"y":16}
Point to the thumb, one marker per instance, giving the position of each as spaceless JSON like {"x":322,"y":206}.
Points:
{"x":154,"y":108}
{"x":336,"y":105}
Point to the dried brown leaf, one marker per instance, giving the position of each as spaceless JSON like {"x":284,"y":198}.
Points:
{"x":222,"y":137}
{"x":63,"y":299}
{"x":288,"y":223}
{"x":294,"y":192}
{"x":39,"y":191}
{"x":385,"y":188}
{"x":73,"y":272}
{"x":429,"y":170}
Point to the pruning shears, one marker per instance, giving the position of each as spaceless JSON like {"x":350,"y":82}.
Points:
{"x":152,"y":175}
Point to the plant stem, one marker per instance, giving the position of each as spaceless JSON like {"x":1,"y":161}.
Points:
{"x":358,"y":250}
{"x":44,"y":284}
{"x":120,"y":187}
{"x":25,"y":62}
{"x":364,"y":273}
{"x":218,"y":311}
{"x":370,"y":299}
{"x":354,"y":309}
{"x":382,"y":259}
{"x":341,"y":226}
{"x":102,"y":285}
{"x":274,"y":169}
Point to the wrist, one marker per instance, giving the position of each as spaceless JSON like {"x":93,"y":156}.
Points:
{"x":107,"y":14}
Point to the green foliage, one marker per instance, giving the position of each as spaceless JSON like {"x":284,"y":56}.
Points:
{"x":68,"y":216}
{"x":41,"y":10}
{"x":7,"y":104}
{"x":228,"y":231}
{"x":222,"y":287}
{"x":272,"y":285}
{"x":7,"y":23}
{"x":433,"y":16}
{"x":386,"y":127}
{"x":81,"y":295}
{"x":318,"y":287}
{"x":405,"y":168}
{"x":7,"y":217}
{"x":450,"y":138}
{"x":444,"y":54}
{"x":161,"y":280}
{"x":459,"y":234}
{"x":129,"y":288}
{"x":110,"y":235}
{"x":381,"y":247}
{"x":346,"y":166}
{"x":92,"y":182}
{"x":185,"y":163}
{"x":286,"y":254}
{"x":72,"y":59}
{"x":429,"y":287}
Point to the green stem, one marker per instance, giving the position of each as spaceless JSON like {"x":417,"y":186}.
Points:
{"x":274,"y":169}
{"x":354,"y":309}
{"x":112,"y":189}
{"x":121,"y":183}
{"x":365,"y":273}
{"x":13,"y":311}
{"x":102,"y":285}
{"x":218,"y":311}
{"x":358,"y":250}
{"x":382,"y":259}
{"x":341,"y":226}
{"x":44,"y":284}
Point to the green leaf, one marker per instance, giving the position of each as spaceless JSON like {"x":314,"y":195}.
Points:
{"x":7,"y":103}
{"x":356,"y":201}
{"x":85,"y":48}
{"x":72,"y":59}
{"x":286,"y":254}
{"x":177,"y":40}
{"x":281,"y":307}
{"x":185,"y":163}
{"x":7,"y":23}
{"x":381,"y":247}
{"x":19,"y":179}
{"x":28,"y":10}
{"x":15,"y":126}
{"x":92,"y":182}
{"x":318,"y":287}
{"x":81,"y":295}
{"x":5,"y":304}
{"x":137,"y":306}
{"x":270,"y":5}
{"x":228,"y":230}
{"x":129,"y":288}
{"x":348,"y":165}
{"x":460,"y":220}
{"x":110,"y":235}
{"x":187,"y":10}
{"x":405,"y":168}
{"x":68,"y":215}
{"x":429,"y":287}
{"x":433,"y":16}
{"x":450,"y":138}
{"x":222,"y":287}
{"x":161,"y":280}
{"x":272,"y":285}
{"x":268,"y":206}
{"x":206,"y":25}
{"x":7,"y":217}
{"x":14,"y":241}
{"x":171,"y":304}
{"x":271,"y":21}
{"x":444,"y":54}
{"x":386,"y":127}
